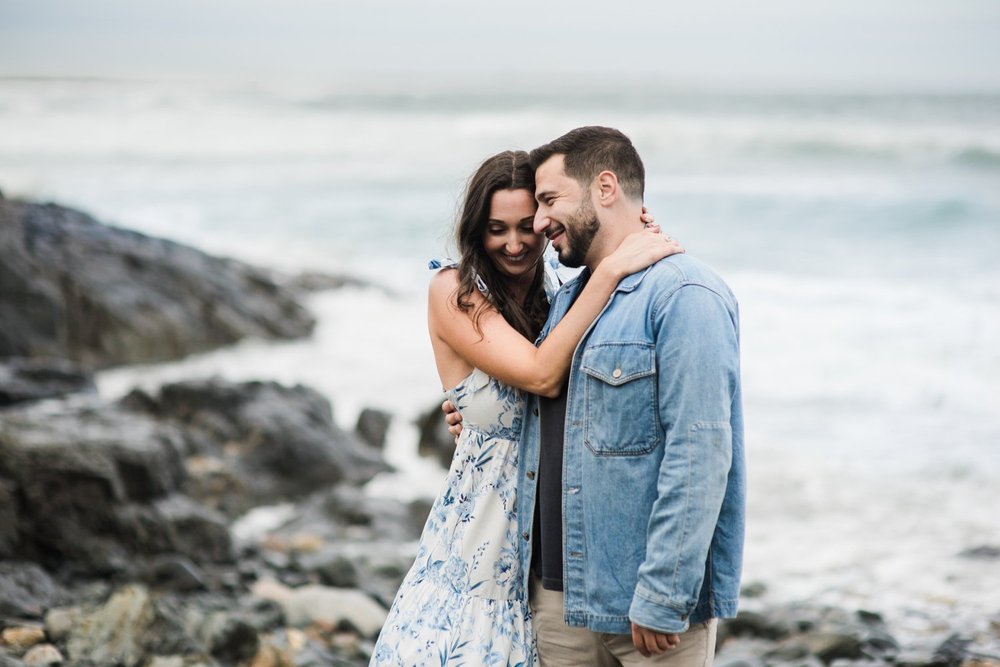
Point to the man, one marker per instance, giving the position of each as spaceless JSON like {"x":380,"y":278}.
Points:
{"x":631,"y":489}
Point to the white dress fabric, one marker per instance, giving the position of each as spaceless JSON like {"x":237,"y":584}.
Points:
{"x":462,"y":602}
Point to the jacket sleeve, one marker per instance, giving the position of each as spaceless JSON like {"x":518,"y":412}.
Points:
{"x":697,"y":349}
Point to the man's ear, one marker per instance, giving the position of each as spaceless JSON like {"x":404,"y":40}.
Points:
{"x":607,"y":190}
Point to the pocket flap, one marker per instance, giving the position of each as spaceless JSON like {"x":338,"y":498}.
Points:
{"x":618,"y":363}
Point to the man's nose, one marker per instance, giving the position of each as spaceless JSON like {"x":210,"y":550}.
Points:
{"x":541,"y":222}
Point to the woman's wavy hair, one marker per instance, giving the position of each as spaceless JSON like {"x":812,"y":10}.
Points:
{"x":509,"y":170}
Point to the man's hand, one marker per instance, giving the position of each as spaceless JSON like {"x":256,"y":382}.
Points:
{"x":650,"y":642}
{"x":452,"y":418}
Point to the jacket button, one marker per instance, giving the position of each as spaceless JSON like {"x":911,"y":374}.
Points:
{"x":617,"y":373}
{"x":525,"y":535}
{"x":530,"y":474}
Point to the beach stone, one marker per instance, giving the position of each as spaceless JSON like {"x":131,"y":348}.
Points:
{"x":756,"y":624}
{"x":7,"y":660}
{"x":42,"y":655}
{"x":982,"y":552}
{"x":282,"y":441}
{"x":434,"y":440}
{"x":59,"y":622}
{"x":128,"y":629}
{"x":22,"y":637}
{"x":336,"y":606}
{"x":9,"y":511}
{"x":272,"y":656}
{"x":230,"y":639}
{"x":829,"y":646}
{"x":372,"y":427}
{"x":101,"y":296}
{"x":175,"y":573}
{"x":24,"y":380}
{"x":753,"y":589}
{"x":953,"y":651}
{"x":166,"y":661}
{"x":26,"y":590}
{"x":332,"y":568}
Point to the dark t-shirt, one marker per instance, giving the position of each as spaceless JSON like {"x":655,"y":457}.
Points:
{"x":547,"y":545}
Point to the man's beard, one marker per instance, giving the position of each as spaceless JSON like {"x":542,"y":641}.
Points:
{"x":581,"y":229}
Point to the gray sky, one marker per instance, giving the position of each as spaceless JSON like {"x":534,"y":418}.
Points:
{"x":844,"y":45}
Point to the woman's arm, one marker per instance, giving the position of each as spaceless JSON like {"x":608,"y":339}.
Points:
{"x":502,"y":352}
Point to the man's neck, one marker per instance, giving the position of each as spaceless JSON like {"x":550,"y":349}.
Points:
{"x":613,"y":232}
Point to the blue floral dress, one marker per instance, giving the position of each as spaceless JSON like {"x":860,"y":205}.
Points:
{"x":462,"y":602}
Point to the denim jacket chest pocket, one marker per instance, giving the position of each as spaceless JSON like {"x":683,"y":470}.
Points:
{"x":620,"y":417}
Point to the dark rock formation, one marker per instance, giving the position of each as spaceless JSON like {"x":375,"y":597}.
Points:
{"x":270,"y":442}
{"x":26,"y":590}
{"x":32,"y":379}
{"x":95,"y":486}
{"x":435,"y":441}
{"x":73,"y":288}
{"x":373,"y":425}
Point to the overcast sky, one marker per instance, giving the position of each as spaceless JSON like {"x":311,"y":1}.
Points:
{"x":864,"y":45}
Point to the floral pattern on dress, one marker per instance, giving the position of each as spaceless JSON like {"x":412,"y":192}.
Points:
{"x":461,"y":603}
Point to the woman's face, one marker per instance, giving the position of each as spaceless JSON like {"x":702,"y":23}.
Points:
{"x":509,"y":240}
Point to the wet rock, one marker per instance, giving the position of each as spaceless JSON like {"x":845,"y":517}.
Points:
{"x":982,"y":552}
{"x":435,"y":441}
{"x":313,"y":281}
{"x":350,"y":506}
{"x":26,"y":590}
{"x":336,"y":606}
{"x":76,"y":289}
{"x":953,"y":651}
{"x":753,"y":589}
{"x":43,"y":655}
{"x":373,"y":425}
{"x":282,"y":441}
{"x":24,"y":380}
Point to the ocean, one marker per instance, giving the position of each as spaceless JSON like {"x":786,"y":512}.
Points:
{"x":860,"y":233}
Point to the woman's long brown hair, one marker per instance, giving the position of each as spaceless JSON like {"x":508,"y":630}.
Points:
{"x":505,"y":171}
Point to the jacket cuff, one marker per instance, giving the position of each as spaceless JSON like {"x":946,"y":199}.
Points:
{"x":657,"y":614}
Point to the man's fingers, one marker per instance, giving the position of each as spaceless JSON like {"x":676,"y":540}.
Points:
{"x":455,"y":429}
{"x":660,"y":642}
{"x":674,"y":640}
{"x":639,"y":641}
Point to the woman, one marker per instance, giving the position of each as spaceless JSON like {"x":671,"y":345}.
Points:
{"x":461,"y":602}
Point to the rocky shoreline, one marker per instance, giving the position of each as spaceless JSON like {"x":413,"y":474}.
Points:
{"x":218,"y":523}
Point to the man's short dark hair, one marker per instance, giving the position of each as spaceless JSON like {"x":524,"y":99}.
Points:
{"x":590,"y":150}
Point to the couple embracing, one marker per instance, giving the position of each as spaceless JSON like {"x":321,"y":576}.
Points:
{"x":593,"y":512}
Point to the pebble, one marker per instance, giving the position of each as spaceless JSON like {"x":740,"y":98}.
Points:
{"x":22,"y":637}
{"x":43,"y":654}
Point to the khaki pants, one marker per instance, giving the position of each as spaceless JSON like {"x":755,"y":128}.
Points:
{"x":560,"y":645}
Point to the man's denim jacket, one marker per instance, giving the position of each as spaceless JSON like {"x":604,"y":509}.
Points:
{"x":653,"y":468}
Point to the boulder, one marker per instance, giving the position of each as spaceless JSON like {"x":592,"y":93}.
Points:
{"x":373,"y":425}
{"x":128,"y":629}
{"x":73,"y":288}
{"x":435,"y":441}
{"x":277,"y":442}
{"x":98,"y":486}
{"x":26,"y":590}
{"x":34,"y":379}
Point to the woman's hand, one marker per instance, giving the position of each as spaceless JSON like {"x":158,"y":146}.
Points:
{"x":639,"y":250}
{"x":648,"y":220}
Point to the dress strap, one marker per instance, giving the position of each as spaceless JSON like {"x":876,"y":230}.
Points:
{"x":449,"y":263}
